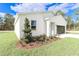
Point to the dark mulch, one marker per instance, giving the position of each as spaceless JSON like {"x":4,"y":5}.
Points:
{"x":23,"y":45}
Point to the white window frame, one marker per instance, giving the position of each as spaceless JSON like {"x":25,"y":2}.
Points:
{"x":33,"y":25}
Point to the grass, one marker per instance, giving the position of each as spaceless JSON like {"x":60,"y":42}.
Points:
{"x":67,"y":46}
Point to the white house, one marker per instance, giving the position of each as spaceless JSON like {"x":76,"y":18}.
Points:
{"x":42,"y":23}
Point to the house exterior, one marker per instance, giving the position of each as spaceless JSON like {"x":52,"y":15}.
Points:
{"x":42,"y":23}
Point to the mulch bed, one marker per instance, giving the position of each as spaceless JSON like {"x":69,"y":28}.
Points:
{"x":23,"y":45}
{"x":27,"y":46}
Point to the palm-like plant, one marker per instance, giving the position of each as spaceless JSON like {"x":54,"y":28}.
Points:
{"x":76,"y":13}
{"x":69,"y":22}
{"x":60,"y":12}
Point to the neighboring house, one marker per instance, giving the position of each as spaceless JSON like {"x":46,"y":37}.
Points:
{"x":42,"y":23}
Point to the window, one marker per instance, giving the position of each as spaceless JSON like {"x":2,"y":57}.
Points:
{"x":33,"y":24}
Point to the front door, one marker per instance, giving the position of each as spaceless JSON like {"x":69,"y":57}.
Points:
{"x":50,"y":28}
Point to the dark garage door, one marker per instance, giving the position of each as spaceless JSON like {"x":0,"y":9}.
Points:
{"x":60,"y":29}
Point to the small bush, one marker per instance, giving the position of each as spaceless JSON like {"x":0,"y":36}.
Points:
{"x":27,"y":31}
{"x":40,"y":38}
{"x":35,"y":38}
{"x":25,"y":40}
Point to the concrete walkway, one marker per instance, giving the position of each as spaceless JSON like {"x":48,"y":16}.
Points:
{"x":68,"y":35}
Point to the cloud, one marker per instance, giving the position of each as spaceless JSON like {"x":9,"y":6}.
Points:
{"x":60,"y":7}
{"x":28,"y":7}
{"x":75,"y":6}
{"x":2,"y":14}
{"x":70,"y":5}
{"x":36,"y":7}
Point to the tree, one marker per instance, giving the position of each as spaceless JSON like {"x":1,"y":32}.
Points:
{"x":1,"y":20}
{"x":69,"y":22}
{"x":60,"y":12}
{"x":1,"y":23}
{"x":76,"y":13}
{"x":9,"y":22}
{"x":77,"y":23}
{"x":27,"y":31}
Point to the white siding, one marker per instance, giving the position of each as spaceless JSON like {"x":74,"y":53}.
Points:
{"x":17,"y":27}
{"x":40,"y":28}
{"x":40,"y":23}
{"x":59,"y":20}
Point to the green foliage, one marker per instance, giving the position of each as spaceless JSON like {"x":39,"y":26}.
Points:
{"x":1,"y":23}
{"x":40,"y":38}
{"x":76,"y":12}
{"x":9,"y":22}
{"x":27,"y":31}
{"x":69,"y":22}
{"x":76,"y":23}
{"x":1,"y":20}
{"x":60,"y":12}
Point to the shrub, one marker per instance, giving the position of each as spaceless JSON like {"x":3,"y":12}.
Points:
{"x":35,"y":38}
{"x":40,"y":38}
{"x":27,"y":31}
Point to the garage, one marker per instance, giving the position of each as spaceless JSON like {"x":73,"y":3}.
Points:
{"x":60,"y":29}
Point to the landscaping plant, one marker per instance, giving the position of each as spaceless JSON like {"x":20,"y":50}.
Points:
{"x":27,"y":31}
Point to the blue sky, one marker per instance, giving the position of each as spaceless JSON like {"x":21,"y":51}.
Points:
{"x":5,"y":8}
{"x":14,"y":8}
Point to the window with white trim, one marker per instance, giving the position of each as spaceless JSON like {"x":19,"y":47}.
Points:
{"x":33,"y":24}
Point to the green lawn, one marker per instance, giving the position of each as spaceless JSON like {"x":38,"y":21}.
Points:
{"x":67,"y":46}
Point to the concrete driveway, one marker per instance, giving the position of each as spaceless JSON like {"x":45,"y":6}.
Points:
{"x":68,"y":35}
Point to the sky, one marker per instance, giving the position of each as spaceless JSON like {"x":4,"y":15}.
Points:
{"x":13,"y":8}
